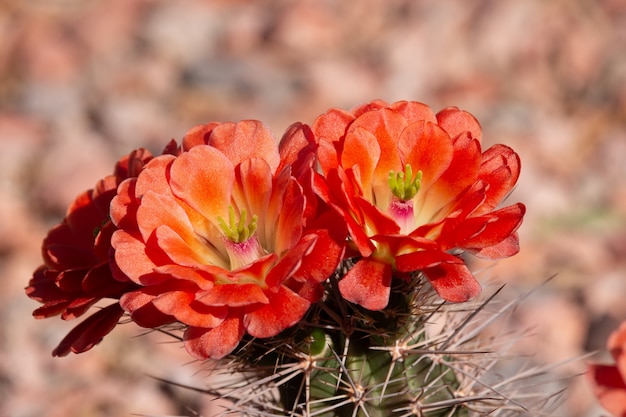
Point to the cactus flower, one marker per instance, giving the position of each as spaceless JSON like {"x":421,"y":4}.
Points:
{"x":217,"y":239}
{"x":609,"y":381}
{"x":76,"y":272}
{"x":416,"y":190}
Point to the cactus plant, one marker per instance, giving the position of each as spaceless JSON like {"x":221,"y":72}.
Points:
{"x":326,"y":274}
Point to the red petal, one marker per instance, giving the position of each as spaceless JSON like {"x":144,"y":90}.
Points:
{"x":290,"y":262}
{"x":609,"y":388}
{"x":368,"y":283}
{"x":143,"y":312}
{"x":484,"y":231}
{"x":214,"y":343}
{"x":500,"y":168}
{"x":90,"y":332}
{"x":453,"y":281}
{"x":507,"y":248}
{"x":285,"y":308}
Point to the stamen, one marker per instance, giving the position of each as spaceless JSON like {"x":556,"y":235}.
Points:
{"x":238,"y":231}
{"x":403,"y":185}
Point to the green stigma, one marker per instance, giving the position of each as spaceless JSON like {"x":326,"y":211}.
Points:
{"x":238,"y":232}
{"x":403,"y":185}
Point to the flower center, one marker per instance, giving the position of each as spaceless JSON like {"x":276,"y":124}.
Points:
{"x":403,"y":184}
{"x":242,"y":246}
{"x":238,"y":232}
{"x":404,"y":187}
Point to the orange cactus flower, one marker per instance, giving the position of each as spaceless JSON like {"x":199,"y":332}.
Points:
{"x":76,"y":272}
{"x":609,"y":381}
{"x":218,"y":238}
{"x":415,"y":190}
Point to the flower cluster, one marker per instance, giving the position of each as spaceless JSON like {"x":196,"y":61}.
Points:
{"x":609,"y":381}
{"x":231,"y":233}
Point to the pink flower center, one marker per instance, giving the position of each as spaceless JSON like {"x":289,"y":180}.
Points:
{"x":241,"y":243}
{"x":243,"y":253}
{"x":402,"y":212}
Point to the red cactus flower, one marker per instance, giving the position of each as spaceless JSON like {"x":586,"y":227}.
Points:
{"x":218,"y":237}
{"x":76,"y":272}
{"x":415,"y":189}
{"x":609,"y":381}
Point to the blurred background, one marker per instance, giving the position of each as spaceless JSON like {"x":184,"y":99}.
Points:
{"x":83,"y":82}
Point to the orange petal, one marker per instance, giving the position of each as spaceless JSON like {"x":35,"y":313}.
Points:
{"x":297,"y":149}
{"x":285,"y":308}
{"x":414,"y":111}
{"x":361,"y":148}
{"x":198,"y":135}
{"x":428,"y":148}
{"x":233,"y":295}
{"x":455,"y":122}
{"x":183,"y":306}
{"x":203,"y":178}
{"x":386,"y":125}
{"x":246,"y":139}
{"x":368,"y":283}
{"x":130,"y":256}
{"x":252,"y":190}
{"x":163,"y":209}
{"x":214,"y":343}
{"x":617,"y":346}
{"x":460,"y":174}
{"x":153,"y":177}
{"x":289,"y":225}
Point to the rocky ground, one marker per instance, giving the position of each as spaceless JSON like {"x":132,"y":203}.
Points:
{"x":83,"y":82}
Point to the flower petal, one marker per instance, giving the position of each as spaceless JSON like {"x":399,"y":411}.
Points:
{"x":386,"y":126}
{"x":609,"y":387}
{"x":183,"y":305}
{"x":244,"y":140}
{"x":214,"y":343}
{"x":361,"y":149}
{"x":414,"y":111}
{"x":368,"y":283}
{"x":198,"y":135}
{"x":456,"y":122}
{"x":453,"y":281}
{"x":203,"y":178}
{"x":90,"y":332}
{"x":428,"y":148}
{"x":500,"y":168}
{"x":233,"y":295}
{"x":285,"y":309}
